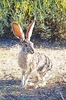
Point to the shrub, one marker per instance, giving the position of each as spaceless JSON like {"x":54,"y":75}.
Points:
{"x":4,"y":12}
{"x":50,"y":16}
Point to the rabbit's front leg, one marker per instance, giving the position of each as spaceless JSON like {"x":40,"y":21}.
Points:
{"x":26,"y":77}
{"x":22,"y":84}
{"x":23,"y":78}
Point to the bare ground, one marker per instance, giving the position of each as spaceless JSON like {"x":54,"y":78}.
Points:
{"x":10,"y":73}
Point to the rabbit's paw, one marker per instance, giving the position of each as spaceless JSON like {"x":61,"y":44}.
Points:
{"x":21,"y":87}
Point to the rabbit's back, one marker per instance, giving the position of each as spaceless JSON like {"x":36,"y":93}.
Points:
{"x":41,"y":62}
{"x":37,"y":61}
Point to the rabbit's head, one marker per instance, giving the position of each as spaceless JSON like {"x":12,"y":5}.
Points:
{"x":27,"y":45}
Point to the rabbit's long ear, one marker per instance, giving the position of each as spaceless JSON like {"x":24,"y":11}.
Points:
{"x":17,"y":30}
{"x":30,"y":29}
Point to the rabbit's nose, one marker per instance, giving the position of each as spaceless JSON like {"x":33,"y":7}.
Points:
{"x":32,"y":51}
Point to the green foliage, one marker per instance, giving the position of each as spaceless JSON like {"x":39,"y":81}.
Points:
{"x":50,"y":15}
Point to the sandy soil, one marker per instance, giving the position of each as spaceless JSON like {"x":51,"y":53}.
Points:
{"x":10,"y":73}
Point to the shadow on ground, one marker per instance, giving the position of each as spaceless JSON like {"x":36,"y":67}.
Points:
{"x":9,"y":42}
{"x":9,"y":91}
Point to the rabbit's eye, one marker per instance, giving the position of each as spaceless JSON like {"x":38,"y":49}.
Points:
{"x":25,"y":45}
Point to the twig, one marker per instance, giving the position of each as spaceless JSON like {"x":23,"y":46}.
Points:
{"x":61,"y":95}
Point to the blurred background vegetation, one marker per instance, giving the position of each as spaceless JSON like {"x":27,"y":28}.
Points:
{"x":50,"y":17}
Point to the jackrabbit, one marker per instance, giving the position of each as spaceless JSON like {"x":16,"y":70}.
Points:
{"x":32,"y":62}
